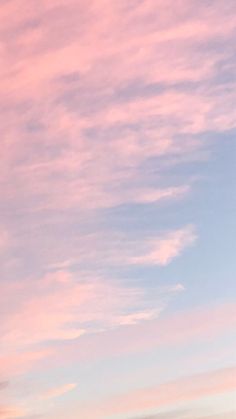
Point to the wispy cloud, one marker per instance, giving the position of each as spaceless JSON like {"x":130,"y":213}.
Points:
{"x":163,"y":250}
{"x":168,"y":331}
{"x":136,"y":112}
{"x":59,"y":391}
{"x":60,"y":307}
{"x":170,"y":393}
{"x":105,"y":105}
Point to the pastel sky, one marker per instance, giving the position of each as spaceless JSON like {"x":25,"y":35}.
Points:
{"x":117,"y":211}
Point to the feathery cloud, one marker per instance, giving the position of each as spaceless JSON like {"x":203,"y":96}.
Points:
{"x":163,"y":250}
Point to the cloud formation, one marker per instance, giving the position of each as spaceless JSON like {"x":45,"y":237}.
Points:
{"x":109,"y":110}
{"x":101,"y":113}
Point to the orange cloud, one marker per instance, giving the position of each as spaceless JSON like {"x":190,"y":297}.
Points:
{"x":7,"y":412}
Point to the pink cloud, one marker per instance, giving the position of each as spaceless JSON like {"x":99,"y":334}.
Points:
{"x":4,"y":240}
{"x":113,"y":249}
{"x":8,"y":412}
{"x":91,"y":169}
{"x":100,"y":100}
{"x":20,"y":362}
{"x":167,"y":394}
{"x":163,"y":250}
{"x":155,"y":195}
{"x":60,"y":307}
{"x":49,"y":309}
{"x":59,"y":391}
{"x":170,"y":330}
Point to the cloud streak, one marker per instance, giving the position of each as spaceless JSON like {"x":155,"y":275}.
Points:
{"x":163,"y":250}
{"x":59,"y":391}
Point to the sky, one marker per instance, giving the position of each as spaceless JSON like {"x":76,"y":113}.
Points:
{"x":117,"y":210}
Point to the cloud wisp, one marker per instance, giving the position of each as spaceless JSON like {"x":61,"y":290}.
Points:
{"x":163,"y":250}
{"x":59,"y":391}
